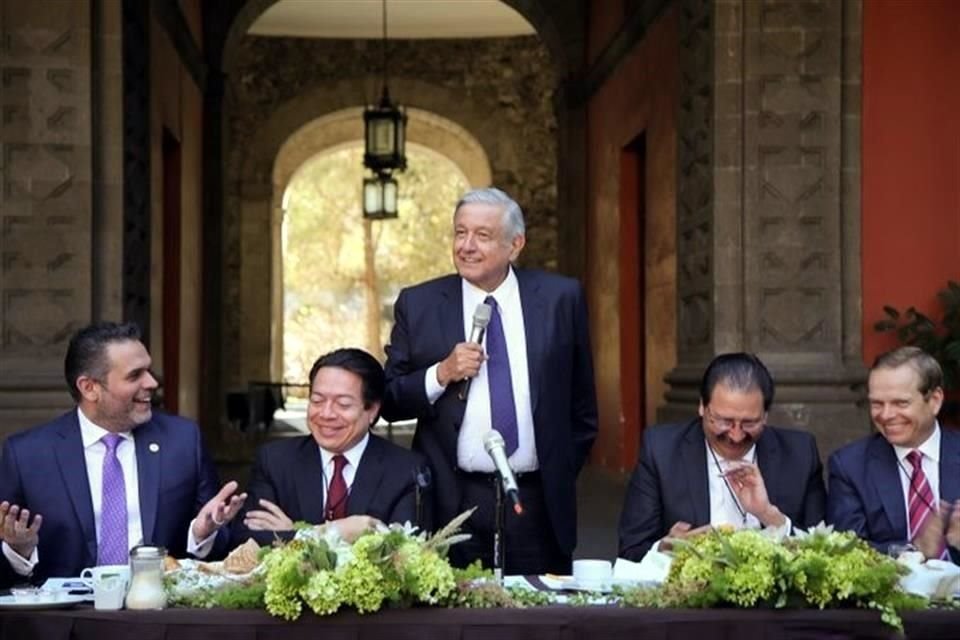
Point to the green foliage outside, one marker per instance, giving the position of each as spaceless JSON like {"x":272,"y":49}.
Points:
{"x":326,"y":279}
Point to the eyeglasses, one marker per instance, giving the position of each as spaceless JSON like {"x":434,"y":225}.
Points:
{"x":725,"y":424}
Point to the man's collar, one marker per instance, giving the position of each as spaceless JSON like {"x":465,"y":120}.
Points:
{"x":474,"y":295}
{"x":929,"y":448}
{"x":353,"y":454}
{"x":91,"y":433}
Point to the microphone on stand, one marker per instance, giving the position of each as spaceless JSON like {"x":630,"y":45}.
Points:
{"x":496,"y":448}
{"x":422,"y":479}
{"x":481,"y":318}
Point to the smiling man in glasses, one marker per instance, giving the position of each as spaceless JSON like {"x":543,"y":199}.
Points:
{"x":726,"y":467}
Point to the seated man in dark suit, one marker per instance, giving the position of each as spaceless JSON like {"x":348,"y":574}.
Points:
{"x":902,"y":484}
{"x":110,"y":474}
{"x":341,"y":472}
{"x":725,"y":467}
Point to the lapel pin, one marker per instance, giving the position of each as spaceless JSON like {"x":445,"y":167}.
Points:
{"x":154,"y":447}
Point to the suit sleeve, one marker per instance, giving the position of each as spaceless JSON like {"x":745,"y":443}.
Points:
{"x":406,"y":395}
{"x":584,"y":407}
{"x":10,"y":491}
{"x":641,"y":522}
{"x":844,"y":507}
{"x":405,"y":507}
{"x":815,"y":496}
{"x":260,"y":486}
{"x":208,"y":484}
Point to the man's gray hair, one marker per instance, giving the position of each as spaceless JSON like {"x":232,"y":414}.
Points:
{"x":512,"y":214}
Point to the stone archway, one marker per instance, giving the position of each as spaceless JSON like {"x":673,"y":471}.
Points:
{"x":425,"y":130}
{"x":521,"y":140}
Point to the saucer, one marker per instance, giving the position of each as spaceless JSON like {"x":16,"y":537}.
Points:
{"x":51,"y":601}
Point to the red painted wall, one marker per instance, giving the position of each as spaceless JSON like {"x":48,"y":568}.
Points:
{"x":911,"y":158}
{"x":639,"y":98}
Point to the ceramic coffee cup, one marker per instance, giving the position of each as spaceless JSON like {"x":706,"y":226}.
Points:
{"x":592,"y":574}
{"x":92,"y":575}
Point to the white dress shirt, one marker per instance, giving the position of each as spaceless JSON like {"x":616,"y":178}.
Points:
{"x":353,"y":455}
{"x":94,"y":449}
{"x":471,"y":455}
{"x":930,"y":463}
{"x":724,"y":507}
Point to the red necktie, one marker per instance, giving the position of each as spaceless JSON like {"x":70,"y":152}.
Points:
{"x":336,"y":507}
{"x":920,"y":506}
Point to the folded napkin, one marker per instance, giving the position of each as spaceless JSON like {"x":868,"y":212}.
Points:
{"x":652,"y":568}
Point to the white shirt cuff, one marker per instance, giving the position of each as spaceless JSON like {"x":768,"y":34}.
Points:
{"x":20,"y":565}
{"x":202,"y":548}
{"x":433,"y":388}
{"x":783,"y":531}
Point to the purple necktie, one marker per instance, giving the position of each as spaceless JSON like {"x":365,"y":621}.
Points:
{"x":113,"y":547}
{"x":503,"y":410}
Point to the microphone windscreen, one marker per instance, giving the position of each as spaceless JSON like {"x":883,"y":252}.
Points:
{"x":493,"y":440}
{"x":482,"y":314}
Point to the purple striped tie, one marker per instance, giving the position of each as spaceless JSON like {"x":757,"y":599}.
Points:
{"x":503,"y":409}
{"x":113,"y":548}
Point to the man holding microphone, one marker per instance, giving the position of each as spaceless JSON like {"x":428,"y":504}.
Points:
{"x":531,"y":379}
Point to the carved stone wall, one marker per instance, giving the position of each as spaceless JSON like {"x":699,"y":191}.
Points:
{"x":768,"y":220}
{"x":45,"y":200}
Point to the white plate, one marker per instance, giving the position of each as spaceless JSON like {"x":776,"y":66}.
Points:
{"x":45,"y":602}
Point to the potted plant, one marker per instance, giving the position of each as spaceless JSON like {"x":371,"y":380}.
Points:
{"x":939,"y":339}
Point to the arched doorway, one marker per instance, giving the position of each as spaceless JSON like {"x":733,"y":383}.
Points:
{"x":341,"y":273}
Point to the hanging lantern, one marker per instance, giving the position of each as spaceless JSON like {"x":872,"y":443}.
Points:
{"x":384,"y":125}
{"x":384,"y":128}
{"x":380,"y":195}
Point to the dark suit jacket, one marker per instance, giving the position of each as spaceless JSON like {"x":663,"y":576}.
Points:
{"x":429,"y":323}
{"x":865,"y":491}
{"x":43,"y":470}
{"x":289,"y":473}
{"x":670,"y":482}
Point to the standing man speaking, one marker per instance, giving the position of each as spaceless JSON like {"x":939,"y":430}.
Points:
{"x":531,"y":380}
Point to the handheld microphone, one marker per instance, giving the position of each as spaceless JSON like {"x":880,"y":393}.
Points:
{"x":495,"y":447}
{"x":481,"y":318}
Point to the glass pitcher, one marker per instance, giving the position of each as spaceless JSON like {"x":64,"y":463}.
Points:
{"x":146,"y":578}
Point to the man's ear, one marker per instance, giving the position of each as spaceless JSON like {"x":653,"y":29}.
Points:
{"x":700,"y":409}
{"x":89,"y":388}
{"x":374,"y":410}
{"x":936,"y":400}
{"x":516,"y":246}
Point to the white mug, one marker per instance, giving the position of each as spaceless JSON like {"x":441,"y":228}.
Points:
{"x":592,"y":574}
{"x":108,"y":593}
{"x":92,"y":575}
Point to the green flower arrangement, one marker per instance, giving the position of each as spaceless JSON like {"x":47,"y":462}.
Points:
{"x":746,"y":568}
{"x":394,"y":566}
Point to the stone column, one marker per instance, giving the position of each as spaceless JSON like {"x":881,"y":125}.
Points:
{"x":768,"y":205}
{"x":46,"y":240}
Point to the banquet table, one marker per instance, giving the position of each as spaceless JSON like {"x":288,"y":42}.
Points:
{"x":539,"y":623}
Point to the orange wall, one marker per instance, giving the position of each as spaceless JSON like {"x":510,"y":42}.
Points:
{"x":640,"y":97}
{"x":911,"y":157}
